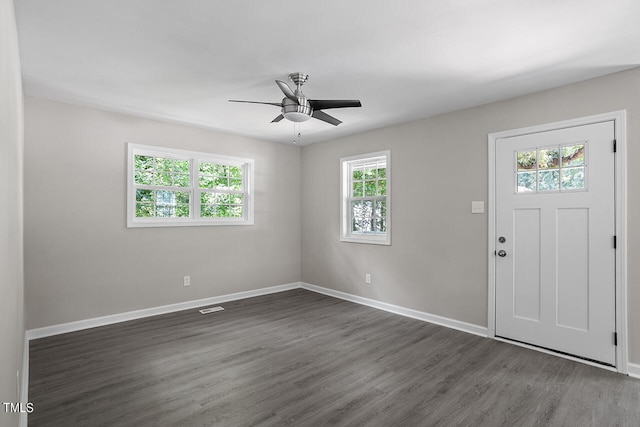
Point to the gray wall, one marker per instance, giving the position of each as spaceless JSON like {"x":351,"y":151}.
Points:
{"x":437,"y":262}
{"x":11,"y":258}
{"x":80,"y":259}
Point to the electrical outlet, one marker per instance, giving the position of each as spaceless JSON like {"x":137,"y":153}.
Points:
{"x":187,"y":280}
{"x":367,"y":279}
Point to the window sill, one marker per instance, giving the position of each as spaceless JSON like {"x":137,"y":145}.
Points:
{"x":163,"y":222}
{"x":368,"y":240}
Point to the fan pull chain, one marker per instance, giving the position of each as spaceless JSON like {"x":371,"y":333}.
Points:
{"x":294,"y":132}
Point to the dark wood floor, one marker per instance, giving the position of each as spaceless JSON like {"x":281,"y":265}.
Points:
{"x":303,"y":359}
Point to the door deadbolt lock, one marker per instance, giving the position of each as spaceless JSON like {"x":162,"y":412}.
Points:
{"x":502,"y":253}
{"x":501,"y":239}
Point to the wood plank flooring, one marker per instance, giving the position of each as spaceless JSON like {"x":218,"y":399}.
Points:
{"x":298,"y":358}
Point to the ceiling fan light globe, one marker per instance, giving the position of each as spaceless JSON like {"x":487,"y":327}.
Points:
{"x":297,"y":117}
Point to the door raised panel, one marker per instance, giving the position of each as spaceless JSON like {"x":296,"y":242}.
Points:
{"x":573,"y":268}
{"x":526,"y":271}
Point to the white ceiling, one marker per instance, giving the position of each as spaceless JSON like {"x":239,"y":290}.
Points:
{"x":404,"y":59}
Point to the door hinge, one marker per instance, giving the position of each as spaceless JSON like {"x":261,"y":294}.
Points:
{"x":615,"y":148}
{"x":615,"y":338}
{"x":615,"y":242}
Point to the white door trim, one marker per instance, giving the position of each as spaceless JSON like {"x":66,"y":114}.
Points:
{"x":620,"y":124}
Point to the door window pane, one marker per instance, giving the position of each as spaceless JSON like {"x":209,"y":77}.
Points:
{"x":573,"y":155}
{"x":548,"y":158}
{"x":526,"y":181}
{"x":548,"y":180}
{"x":526,"y":160}
{"x":551,"y":169}
{"x":573,"y":178}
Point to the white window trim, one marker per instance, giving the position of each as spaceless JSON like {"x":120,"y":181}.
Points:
{"x":194,"y":157}
{"x":345,"y":213}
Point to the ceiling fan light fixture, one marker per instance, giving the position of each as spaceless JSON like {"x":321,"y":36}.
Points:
{"x":297,"y":117}
{"x":296,"y":111}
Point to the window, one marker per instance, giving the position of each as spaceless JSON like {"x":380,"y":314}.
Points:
{"x":169,"y":187}
{"x":551,"y":169}
{"x":366,"y":198}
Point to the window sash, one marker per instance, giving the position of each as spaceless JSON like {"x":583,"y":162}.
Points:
{"x":371,"y":220}
{"x":348,"y":166}
{"x":195,"y":213}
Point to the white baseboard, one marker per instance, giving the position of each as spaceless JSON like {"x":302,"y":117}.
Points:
{"x":408,"y":312}
{"x":154,"y":311}
{"x":47,"y":331}
{"x":633,"y":370}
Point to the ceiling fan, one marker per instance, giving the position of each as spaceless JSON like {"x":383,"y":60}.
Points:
{"x":296,"y":107}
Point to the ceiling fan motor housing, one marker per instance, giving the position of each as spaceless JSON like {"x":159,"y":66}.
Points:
{"x":296,"y":112}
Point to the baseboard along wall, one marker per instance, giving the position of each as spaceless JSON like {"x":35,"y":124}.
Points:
{"x":633,"y":370}
{"x":63,"y":328}
{"x":407,"y":312}
{"x":79,"y":325}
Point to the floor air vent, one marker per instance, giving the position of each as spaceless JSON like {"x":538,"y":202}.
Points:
{"x":211,"y":309}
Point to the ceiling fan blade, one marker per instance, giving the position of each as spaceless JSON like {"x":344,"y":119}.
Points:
{"x":287,"y":90}
{"x":277,"y":119}
{"x":325,"y":104}
{"x":277,"y":104}
{"x":321,"y":115}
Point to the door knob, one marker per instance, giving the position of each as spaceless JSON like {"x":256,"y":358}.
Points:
{"x":502,"y":253}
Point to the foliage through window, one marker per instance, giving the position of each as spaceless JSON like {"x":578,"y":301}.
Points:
{"x":366,"y":198}
{"x":176,"y":187}
{"x":558,"y":168}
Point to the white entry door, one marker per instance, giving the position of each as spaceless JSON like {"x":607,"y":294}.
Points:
{"x":555,"y":226}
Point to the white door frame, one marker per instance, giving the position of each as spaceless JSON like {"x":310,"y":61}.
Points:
{"x":620,"y":125}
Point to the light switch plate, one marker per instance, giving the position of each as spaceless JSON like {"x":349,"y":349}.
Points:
{"x":477,"y":207}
